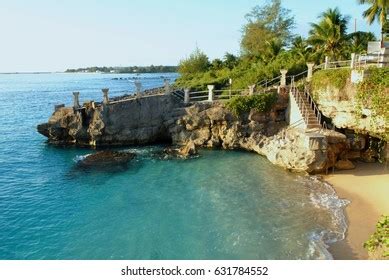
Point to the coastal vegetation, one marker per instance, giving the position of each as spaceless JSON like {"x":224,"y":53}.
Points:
{"x":268,"y":45}
{"x":127,"y":69}
{"x":260,"y":103}
{"x":378,"y":243}
{"x":337,"y":78}
{"x":373,"y":93}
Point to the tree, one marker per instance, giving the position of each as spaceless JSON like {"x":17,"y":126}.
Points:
{"x":197,"y":62}
{"x":217,"y":64}
{"x":265,"y":24}
{"x":358,"y":41}
{"x":230,"y":60}
{"x":378,"y":10}
{"x":273,"y":49}
{"x":328,"y":36}
{"x":301,"y":49}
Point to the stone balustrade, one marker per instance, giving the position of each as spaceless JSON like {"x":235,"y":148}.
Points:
{"x":251,"y":89}
{"x":210,"y":92}
{"x":105,"y":96}
{"x":76,"y":100}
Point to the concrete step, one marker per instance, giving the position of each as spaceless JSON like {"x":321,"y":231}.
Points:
{"x":311,"y":126}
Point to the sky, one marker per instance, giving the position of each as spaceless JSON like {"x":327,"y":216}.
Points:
{"x":52,"y":35}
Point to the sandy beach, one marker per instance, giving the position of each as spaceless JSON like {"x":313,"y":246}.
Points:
{"x":367,"y":188}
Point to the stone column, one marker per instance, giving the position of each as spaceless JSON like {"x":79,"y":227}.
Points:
{"x":105,"y":95}
{"x":210,"y":92}
{"x":76,"y":100}
{"x":167,"y":86}
{"x":352,"y":65}
{"x":283,"y":78}
{"x":186,"y":96}
{"x":230,"y":91}
{"x":310,"y":71}
{"x":327,"y":62}
{"x":138,"y":86}
{"x":251,"y":89}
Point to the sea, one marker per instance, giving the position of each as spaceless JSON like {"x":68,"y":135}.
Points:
{"x":218,"y":205}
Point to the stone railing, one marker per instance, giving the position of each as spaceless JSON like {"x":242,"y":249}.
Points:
{"x":166,"y":89}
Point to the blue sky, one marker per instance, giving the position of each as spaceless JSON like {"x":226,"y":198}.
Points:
{"x":52,"y":35}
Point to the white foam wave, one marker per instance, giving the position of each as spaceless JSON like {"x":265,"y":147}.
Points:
{"x":80,"y":158}
{"x":323,"y":196}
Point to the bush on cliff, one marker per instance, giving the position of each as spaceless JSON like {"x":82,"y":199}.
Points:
{"x":244,"y":104}
{"x":378,"y":244}
{"x":373,"y":93}
{"x":197,"y":62}
{"x":335,"y":77}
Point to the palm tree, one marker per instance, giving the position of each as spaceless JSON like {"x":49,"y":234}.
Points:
{"x":301,"y":49}
{"x":358,"y":41}
{"x":378,"y":10}
{"x":328,"y":37}
{"x":273,"y":49}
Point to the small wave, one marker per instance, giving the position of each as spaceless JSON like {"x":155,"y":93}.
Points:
{"x":323,"y":196}
{"x":317,"y":248}
{"x":80,"y":158}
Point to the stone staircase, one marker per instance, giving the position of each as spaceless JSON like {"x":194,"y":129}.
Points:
{"x":307,"y":109}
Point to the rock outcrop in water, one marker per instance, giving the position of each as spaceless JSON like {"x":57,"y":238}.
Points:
{"x":163,"y":118}
{"x":106,"y":158}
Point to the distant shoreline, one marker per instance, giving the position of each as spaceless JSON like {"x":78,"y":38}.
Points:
{"x":64,"y":72}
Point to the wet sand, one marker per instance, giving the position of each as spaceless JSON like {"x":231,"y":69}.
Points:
{"x":367,"y":188}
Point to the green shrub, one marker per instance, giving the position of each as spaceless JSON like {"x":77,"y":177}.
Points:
{"x":197,"y":62}
{"x":243,"y":104}
{"x":373,"y":93}
{"x":332,"y":77}
{"x":380,"y":239}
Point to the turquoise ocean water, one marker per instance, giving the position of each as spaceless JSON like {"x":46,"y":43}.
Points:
{"x":219,"y":205}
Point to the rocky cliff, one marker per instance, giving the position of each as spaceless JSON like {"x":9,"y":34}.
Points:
{"x":214,"y":126}
{"x":341,"y":106}
{"x":160,"y":118}
{"x":134,"y":121}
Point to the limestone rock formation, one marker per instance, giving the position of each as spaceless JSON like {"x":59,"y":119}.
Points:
{"x":216,"y":127}
{"x":136,"y":121}
{"x":341,"y":107}
{"x":344,"y":164}
{"x":152,"y":119}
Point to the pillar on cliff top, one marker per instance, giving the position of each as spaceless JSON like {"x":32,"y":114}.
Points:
{"x":76,"y":100}
{"x":283,"y":78}
{"x":186,"y":96}
{"x":138,"y":86}
{"x":310,"y":71}
{"x":352,"y":64}
{"x":251,"y":89}
{"x":167,"y":86}
{"x":327,"y":63}
{"x":105,"y":95}
{"x":210,"y":92}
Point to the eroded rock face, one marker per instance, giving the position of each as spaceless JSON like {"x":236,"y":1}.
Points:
{"x":136,"y":121}
{"x":216,"y":127}
{"x":211,"y":125}
{"x":344,"y":164}
{"x":342,"y":107}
